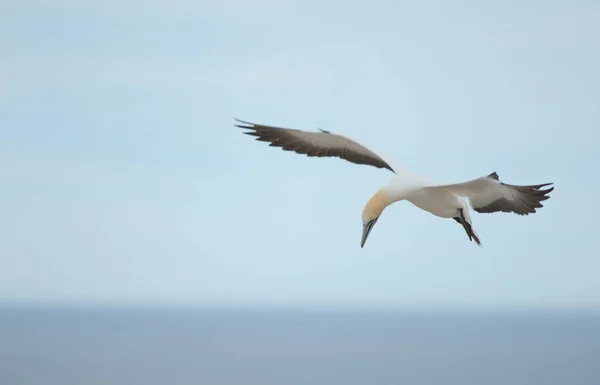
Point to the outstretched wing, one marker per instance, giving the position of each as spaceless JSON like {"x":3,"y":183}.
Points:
{"x":488,"y":195}
{"x":319,"y":144}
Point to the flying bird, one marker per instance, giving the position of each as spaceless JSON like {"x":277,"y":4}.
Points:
{"x":486,"y":194}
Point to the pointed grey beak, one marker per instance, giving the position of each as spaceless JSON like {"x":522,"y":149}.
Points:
{"x":366,"y":230}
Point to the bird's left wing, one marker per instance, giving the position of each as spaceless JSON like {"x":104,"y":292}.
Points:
{"x":319,"y":144}
{"x":488,"y":195}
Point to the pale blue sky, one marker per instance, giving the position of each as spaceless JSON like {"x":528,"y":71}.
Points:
{"x":123,"y":179}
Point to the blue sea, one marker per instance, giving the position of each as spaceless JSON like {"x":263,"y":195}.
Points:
{"x":77,"y":346}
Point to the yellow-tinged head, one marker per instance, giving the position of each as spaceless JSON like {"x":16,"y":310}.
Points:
{"x":372,"y":211}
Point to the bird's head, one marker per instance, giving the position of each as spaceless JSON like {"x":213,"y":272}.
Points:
{"x":372,"y":211}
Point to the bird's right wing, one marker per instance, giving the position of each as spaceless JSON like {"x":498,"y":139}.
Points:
{"x":319,"y":144}
{"x":488,"y":195}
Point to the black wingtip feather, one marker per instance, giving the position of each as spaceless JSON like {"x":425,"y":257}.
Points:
{"x":530,"y":198}
{"x":243,"y":121}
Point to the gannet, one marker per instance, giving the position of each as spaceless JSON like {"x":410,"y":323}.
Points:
{"x":486,"y":194}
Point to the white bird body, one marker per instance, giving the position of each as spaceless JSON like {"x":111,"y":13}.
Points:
{"x":485,"y":194}
{"x":415,"y":189}
{"x":444,"y":204}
